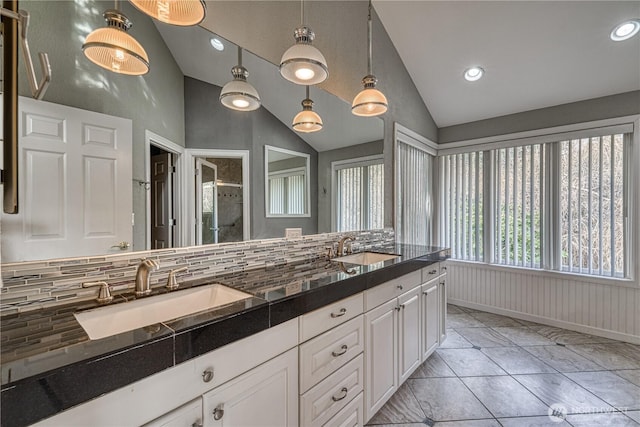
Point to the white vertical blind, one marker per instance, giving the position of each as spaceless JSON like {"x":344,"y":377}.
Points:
{"x":461,"y":207}
{"x":277,"y":195}
{"x":413,"y":198}
{"x":360,"y":195}
{"x":287,"y":195}
{"x":295,"y":194}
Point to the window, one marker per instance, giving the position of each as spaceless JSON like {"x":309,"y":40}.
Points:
{"x":592,"y":205}
{"x":558,"y":205}
{"x":519,"y":199}
{"x":286,"y":192}
{"x":359,"y":190}
{"x":462,"y":208}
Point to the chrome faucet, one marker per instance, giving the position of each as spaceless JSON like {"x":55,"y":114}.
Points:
{"x":342,"y":242}
{"x":143,"y":287}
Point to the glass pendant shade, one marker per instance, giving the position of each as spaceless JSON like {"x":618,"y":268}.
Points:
{"x":303,"y":63}
{"x":238,"y":94}
{"x":307,"y":120}
{"x":115,"y":50}
{"x":370,"y":101}
{"x":174,"y":12}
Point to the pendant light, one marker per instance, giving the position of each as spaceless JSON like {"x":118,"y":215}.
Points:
{"x":307,"y":120}
{"x":174,"y":12}
{"x":112,"y":48}
{"x":370,"y":101}
{"x":302,"y":63}
{"x":238,"y":94}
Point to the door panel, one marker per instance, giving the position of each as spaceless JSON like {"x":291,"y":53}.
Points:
{"x":430,"y":316}
{"x":161,"y":201}
{"x":75,"y":183}
{"x":409,"y":333}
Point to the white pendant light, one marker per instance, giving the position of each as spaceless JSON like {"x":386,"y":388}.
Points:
{"x":370,"y":101}
{"x":307,"y":120}
{"x":303,"y":63}
{"x":238,"y":94}
{"x":112,"y":48}
{"x":174,"y":12}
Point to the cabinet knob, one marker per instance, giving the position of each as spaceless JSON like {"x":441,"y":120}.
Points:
{"x":433,"y":272}
{"x":442,"y":283}
{"x":218,"y":413}
{"x":400,"y":287}
{"x":397,"y":308}
{"x":207,"y":375}
{"x":343,"y":350}
{"x":444,"y":268}
{"x":342,"y":312}
{"x":198,"y":423}
{"x":344,"y":391}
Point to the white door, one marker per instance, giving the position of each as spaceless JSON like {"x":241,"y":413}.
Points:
{"x":430,"y":316}
{"x":381,"y":353}
{"x":74,"y":184}
{"x":264,"y":396}
{"x":409,"y":333}
{"x":206,"y":202}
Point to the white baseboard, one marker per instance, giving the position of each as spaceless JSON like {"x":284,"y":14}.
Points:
{"x":549,"y":322}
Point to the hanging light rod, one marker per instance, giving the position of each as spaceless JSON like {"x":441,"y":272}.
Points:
{"x":370,"y":101}
{"x":238,"y":94}
{"x":174,"y":12}
{"x":307,"y":120}
{"x":303,"y":63}
{"x":115,"y":50}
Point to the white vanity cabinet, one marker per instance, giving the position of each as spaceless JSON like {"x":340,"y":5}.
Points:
{"x":392,"y":338}
{"x":332,"y":364}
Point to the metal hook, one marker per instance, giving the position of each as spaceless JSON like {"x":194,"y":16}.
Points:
{"x":37,"y":89}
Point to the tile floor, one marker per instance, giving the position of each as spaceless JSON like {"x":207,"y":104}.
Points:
{"x":497,"y":371}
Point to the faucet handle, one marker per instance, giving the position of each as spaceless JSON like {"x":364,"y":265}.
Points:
{"x":172,"y":282}
{"x":104,"y":294}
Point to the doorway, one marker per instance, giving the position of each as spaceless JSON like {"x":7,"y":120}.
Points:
{"x":206,"y":202}
{"x":164,"y":192}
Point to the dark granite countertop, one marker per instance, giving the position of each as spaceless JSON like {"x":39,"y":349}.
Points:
{"x":48,"y":360}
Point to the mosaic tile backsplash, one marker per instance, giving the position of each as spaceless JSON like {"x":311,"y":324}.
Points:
{"x":38,"y":284}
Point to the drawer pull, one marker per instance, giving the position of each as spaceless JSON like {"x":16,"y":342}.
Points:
{"x":218,"y":413}
{"x":400,"y":287}
{"x":341,"y":313}
{"x":207,"y":375}
{"x":433,"y":272}
{"x":397,"y":308}
{"x":444,"y":268}
{"x":343,"y":350}
{"x":344,"y":392}
{"x":198,"y":423}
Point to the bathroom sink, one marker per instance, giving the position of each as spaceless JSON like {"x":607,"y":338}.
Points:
{"x":114,"y":319}
{"x":365,"y":258}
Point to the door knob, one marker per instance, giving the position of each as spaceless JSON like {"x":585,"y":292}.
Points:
{"x":123,"y":246}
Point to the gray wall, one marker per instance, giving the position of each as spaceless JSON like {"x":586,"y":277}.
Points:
{"x":210,"y":125}
{"x":153,"y":101}
{"x":619,"y":105}
{"x":324,"y":176}
{"x":266,"y":29}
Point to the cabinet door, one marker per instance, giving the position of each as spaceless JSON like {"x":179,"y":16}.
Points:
{"x":442,"y":291}
{"x":265,"y":396}
{"x":409,"y":333}
{"x":430,"y":318}
{"x":189,"y":415}
{"x":381,"y":355}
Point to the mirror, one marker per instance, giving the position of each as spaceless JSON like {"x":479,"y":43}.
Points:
{"x":175,"y":108}
{"x":286,"y":182}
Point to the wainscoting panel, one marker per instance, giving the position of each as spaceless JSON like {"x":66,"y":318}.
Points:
{"x":581,"y":304}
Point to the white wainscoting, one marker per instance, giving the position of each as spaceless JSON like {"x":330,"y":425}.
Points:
{"x":606,"y":309}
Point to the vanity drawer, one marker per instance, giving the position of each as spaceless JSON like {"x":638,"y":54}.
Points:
{"x":326,"y":353}
{"x":431,"y":271}
{"x":351,"y":415}
{"x":325,"y":318}
{"x":322,"y":402}
{"x":393,"y":288}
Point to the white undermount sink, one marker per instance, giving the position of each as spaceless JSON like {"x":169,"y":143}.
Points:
{"x":114,"y":319}
{"x":365,"y":258}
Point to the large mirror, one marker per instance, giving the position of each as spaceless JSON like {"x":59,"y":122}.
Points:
{"x":176,"y":127}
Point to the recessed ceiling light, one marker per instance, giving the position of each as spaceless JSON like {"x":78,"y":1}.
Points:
{"x":217,"y":44}
{"x":625,"y":30}
{"x":472,"y":74}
